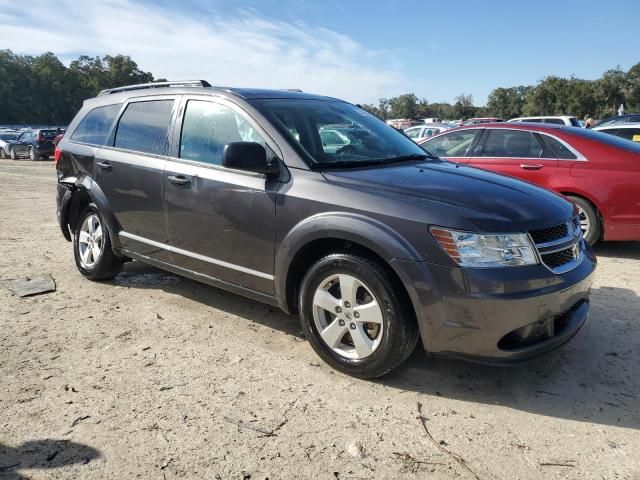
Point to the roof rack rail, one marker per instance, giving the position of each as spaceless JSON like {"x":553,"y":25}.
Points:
{"x":292,"y":90}
{"x":142,"y":86}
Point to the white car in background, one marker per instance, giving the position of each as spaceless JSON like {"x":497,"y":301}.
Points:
{"x":6,"y":135}
{"x":630,"y":131}
{"x":420,"y":132}
{"x":553,"y":119}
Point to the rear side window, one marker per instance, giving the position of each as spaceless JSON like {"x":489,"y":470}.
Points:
{"x":143,"y":127}
{"x":554,"y":121}
{"x":94,"y":127}
{"x":559,"y":149}
{"x":511,"y":143}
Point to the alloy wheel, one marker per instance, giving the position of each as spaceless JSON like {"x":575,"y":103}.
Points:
{"x":90,"y":241}
{"x":348,"y":317}
{"x":12,"y":154}
{"x":32,"y":155}
{"x":585,"y":223}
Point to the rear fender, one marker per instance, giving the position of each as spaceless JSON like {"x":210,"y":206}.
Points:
{"x":85,"y":184}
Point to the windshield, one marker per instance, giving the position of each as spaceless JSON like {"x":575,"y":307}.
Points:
{"x":337,"y":133}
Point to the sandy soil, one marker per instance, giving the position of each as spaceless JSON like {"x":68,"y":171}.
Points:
{"x":156,"y":376}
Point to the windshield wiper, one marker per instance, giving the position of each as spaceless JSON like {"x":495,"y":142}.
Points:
{"x":404,"y":158}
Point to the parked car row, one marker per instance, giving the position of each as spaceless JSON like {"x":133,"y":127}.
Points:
{"x":598,"y":172}
{"x":32,"y":143}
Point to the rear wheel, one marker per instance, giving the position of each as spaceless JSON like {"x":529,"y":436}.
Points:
{"x":3,"y":154}
{"x":32,"y":154}
{"x":351,"y":312}
{"x":589,"y":220}
{"x":92,"y":247}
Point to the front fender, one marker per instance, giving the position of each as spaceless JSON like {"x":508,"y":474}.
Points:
{"x":356,"y":228}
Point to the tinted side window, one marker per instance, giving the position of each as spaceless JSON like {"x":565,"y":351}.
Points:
{"x":94,"y":127}
{"x":143,"y":126}
{"x":632,"y":134}
{"x":533,"y":120}
{"x":511,"y":143}
{"x":558,"y":148}
{"x":206,"y":129}
{"x":454,"y":144}
{"x":554,"y":121}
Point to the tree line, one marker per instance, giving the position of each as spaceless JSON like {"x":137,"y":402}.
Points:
{"x":42,"y":90}
{"x":551,"y":96}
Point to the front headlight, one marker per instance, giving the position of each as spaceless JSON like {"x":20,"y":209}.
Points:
{"x":486,"y":250}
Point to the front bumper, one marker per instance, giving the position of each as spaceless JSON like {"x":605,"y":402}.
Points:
{"x":498,"y":316}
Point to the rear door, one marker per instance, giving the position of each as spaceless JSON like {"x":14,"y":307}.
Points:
{"x":518,"y":153}
{"x":221,"y":221}
{"x":129,"y":172}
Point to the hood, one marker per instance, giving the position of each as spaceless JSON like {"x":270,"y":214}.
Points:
{"x":490,"y":201}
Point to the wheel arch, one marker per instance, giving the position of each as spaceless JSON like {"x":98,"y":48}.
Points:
{"x":327,"y":233}
{"x":572,"y":193}
{"x":83,"y":192}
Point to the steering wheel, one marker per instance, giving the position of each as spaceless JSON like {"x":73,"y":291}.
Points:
{"x":347,"y":149}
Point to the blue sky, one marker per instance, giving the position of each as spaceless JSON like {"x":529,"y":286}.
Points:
{"x":357,"y":50}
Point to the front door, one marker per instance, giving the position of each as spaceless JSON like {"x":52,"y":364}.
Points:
{"x":220,"y":220}
{"x":517,"y":153}
{"x":129,"y":172}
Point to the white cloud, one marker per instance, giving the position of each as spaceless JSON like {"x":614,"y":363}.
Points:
{"x":244,"y":49}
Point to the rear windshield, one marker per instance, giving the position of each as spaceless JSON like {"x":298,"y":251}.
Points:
{"x":48,"y":133}
{"x":607,"y":139}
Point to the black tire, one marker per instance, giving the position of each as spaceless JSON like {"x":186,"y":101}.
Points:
{"x":108,"y":264}
{"x":400,"y":331}
{"x":595,"y":226}
{"x":12,"y":154}
{"x":3,"y":154}
{"x":32,"y":154}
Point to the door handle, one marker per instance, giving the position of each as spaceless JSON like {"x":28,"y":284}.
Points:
{"x":179,"y":180}
{"x":531,"y":166}
{"x":106,"y":166}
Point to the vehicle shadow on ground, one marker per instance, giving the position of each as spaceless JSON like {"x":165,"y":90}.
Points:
{"x":591,"y":379}
{"x":630,"y":250}
{"x":42,"y":454}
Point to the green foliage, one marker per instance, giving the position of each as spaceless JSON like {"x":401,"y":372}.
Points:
{"x":42,"y":90}
{"x":550,"y":96}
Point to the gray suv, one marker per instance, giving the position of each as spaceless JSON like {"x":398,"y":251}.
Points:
{"x":373,"y":242}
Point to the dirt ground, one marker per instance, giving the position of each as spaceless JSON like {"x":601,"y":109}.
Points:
{"x":156,"y":376}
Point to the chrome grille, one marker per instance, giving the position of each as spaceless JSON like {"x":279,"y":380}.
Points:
{"x":560,"y":246}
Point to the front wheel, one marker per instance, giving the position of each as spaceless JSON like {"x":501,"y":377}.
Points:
{"x":92,"y":247}
{"x":12,"y":154}
{"x":352,"y":313}
{"x":589,"y":220}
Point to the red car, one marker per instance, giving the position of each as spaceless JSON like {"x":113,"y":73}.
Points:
{"x":600,"y":173}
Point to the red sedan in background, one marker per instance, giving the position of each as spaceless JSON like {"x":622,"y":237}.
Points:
{"x":600,"y":173}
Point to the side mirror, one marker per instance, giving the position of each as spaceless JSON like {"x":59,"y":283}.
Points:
{"x":248,"y":156}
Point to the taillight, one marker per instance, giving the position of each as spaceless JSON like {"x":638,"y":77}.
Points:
{"x":39,"y":137}
{"x":56,"y":156}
